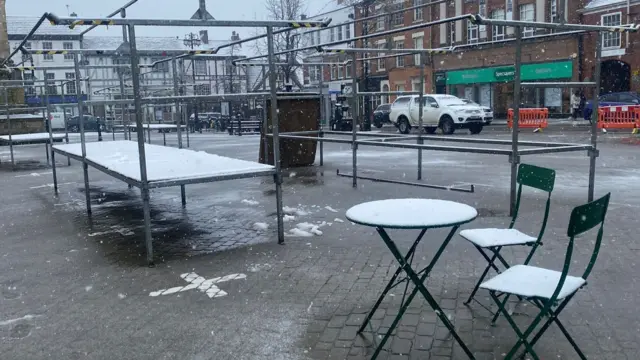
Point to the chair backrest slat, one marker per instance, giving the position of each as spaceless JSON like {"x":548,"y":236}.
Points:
{"x":587,"y":216}
{"x":536,"y":177}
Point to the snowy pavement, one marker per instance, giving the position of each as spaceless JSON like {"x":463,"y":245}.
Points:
{"x":71,"y":288}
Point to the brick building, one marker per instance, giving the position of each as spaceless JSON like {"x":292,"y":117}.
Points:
{"x":620,"y":52}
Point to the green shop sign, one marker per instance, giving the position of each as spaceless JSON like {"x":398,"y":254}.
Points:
{"x":528,"y":72}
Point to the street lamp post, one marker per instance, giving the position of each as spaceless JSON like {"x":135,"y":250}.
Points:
{"x":192,"y":40}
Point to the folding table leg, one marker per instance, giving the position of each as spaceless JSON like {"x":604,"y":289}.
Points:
{"x":390,"y":284}
{"x":419,"y":286}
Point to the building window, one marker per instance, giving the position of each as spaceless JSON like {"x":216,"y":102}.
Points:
{"x":68,"y":46}
{"x":334,"y":71}
{"x":397,"y":18}
{"x":47,"y":45}
{"x":483,"y":12}
{"x":200,"y":67}
{"x":417,"y":44}
{"x":340,"y":69}
{"x":51,"y":86}
{"x":497,"y":31}
{"x":333,"y":35}
{"x":380,"y":21}
{"x":311,"y":38}
{"x":399,"y":59}
{"x":472,"y":33}
{"x":347,"y":71}
{"x":203,"y":89}
{"x":553,"y":13}
{"x":452,"y":32}
{"x":381,"y":62}
{"x":419,"y":12}
{"x":339,"y":29}
{"x":347,"y":31}
{"x":399,"y":87}
{"x":527,"y":14}
{"x":611,"y":39}
{"x":318,"y":37}
{"x":29,"y":88}
{"x":70,"y":85}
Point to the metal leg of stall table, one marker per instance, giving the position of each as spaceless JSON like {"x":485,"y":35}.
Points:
{"x":54,"y":172}
{"x":46,"y":150}
{"x":321,"y":145}
{"x":276,"y":134}
{"x":164,"y":138}
{"x":183,"y":195}
{"x":354,"y":120}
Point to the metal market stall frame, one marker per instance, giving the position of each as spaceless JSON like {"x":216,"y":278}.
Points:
{"x":514,"y":154}
{"x":143,"y":182}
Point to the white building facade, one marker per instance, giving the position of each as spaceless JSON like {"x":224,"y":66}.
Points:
{"x":204,"y":75}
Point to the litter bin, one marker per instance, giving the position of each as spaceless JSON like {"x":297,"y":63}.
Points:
{"x":294,"y":114}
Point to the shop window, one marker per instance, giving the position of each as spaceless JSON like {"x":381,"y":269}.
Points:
{"x":611,"y":39}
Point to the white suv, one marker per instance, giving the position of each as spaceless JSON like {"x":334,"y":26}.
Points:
{"x":446,"y":112}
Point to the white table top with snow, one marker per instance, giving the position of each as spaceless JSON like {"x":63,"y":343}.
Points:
{"x":163,"y":163}
{"x":156,"y":126}
{"x":411,"y":213}
{"x":31,"y":137}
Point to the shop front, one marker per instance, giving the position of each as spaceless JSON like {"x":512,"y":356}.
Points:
{"x":494,"y":86}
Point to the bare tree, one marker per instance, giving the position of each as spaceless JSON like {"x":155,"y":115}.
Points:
{"x":284,"y":10}
{"x":4,"y":38}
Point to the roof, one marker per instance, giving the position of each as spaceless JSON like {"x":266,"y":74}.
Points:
{"x":22,"y":25}
{"x":595,"y":4}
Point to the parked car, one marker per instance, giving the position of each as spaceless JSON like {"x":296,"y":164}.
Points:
{"x":381,"y":115}
{"x":612,"y":99}
{"x":90,"y":123}
{"x":57,"y":120}
{"x":446,"y":112}
{"x":488,"y":113}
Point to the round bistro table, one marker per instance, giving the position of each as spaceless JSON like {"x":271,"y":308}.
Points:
{"x":417,"y":214}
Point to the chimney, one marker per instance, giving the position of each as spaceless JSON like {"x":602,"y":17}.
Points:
{"x":204,"y":37}
{"x":235,"y":37}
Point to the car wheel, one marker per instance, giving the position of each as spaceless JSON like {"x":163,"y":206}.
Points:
{"x":447,"y":126}
{"x":475,"y":128}
{"x":430,"y":130}
{"x":403,"y":125}
{"x":74,"y":128}
{"x":377,"y":123}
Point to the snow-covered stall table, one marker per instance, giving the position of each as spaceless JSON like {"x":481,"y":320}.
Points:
{"x":165,"y":166}
{"x":25,"y":139}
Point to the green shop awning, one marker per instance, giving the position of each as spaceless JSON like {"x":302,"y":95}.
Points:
{"x":529,"y":72}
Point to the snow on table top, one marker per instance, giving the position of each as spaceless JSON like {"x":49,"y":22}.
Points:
{"x":163,"y":163}
{"x":31,"y":137}
{"x":155,"y":126}
{"x":411,"y":213}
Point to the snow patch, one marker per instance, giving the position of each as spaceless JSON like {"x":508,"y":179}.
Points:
{"x":288,"y":218}
{"x":294,"y":211}
{"x":260,"y":226}
{"x":338,"y":220}
{"x":295,"y":232}
{"x":331,"y":209}
{"x":259,"y":267}
{"x":88,"y":288}
{"x":122,"y":296}
{"x":250,"y":202}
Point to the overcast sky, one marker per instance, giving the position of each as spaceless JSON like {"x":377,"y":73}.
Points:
{"x":154,"y":9}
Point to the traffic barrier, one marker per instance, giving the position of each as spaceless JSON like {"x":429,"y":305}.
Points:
{"x":531,"y":118}
{"x":619,"y":117}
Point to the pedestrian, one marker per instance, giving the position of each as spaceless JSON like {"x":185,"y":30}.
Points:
{"x":575,"y":105}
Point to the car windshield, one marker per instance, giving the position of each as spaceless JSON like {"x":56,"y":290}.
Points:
{"x":469,"y":102}
{"x":450,"y":101}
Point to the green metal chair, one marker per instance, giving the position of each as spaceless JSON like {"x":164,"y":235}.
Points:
{"x":491,"y":241}
{"x":549,"y":290}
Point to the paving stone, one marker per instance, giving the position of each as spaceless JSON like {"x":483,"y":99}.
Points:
{"x":401,"y":346}
{"x":348,"y":333}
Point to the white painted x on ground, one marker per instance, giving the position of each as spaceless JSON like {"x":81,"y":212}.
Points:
{"x":196,"y":281}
